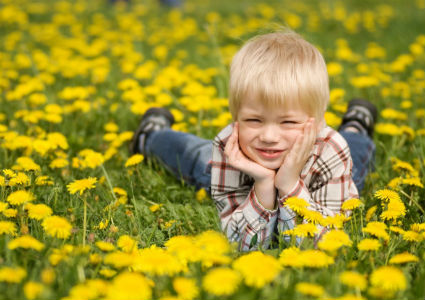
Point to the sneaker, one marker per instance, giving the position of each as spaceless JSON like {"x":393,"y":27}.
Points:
{"x":154,"y":119}
{"x":362,"y":115}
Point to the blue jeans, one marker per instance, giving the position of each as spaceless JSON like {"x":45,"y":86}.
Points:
{"x":187,"y":156}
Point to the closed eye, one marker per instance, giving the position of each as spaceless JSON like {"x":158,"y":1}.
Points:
{"x":252,"y":120}
{"x":289,"y":122}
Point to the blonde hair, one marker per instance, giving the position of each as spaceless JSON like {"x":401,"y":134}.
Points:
{"x":281,"y":69}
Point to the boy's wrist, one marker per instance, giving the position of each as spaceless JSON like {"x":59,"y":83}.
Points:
{"x":286,"y":188}
{"x":265,"y":193}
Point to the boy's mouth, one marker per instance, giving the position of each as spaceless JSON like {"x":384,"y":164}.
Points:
{"x":269,"y":153}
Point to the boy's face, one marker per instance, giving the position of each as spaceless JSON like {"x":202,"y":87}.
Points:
{"x":266,"y":134}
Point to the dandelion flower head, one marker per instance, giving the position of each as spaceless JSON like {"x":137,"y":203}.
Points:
{"x":82,"y":185}
{"x":221,"y":281}
{"x":257,"y":269}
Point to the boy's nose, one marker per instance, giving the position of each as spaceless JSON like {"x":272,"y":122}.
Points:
{"x":269,"y":134}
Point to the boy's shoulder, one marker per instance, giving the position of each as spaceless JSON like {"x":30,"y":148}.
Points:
{"x":330,"y":142}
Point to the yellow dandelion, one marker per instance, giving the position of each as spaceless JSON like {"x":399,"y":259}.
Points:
{"x":43,"y":180}
{"x":111,"y":127}
{"x":134,"y":160}
{"x":108,"y":273}
{"x":38,"y":211}
{"x":213,"y":248}
{"x":397,"y":229}
{"x":58,"y":163}
{"x":20,"y":197}
{"x":413,"y":181}
{"x":57,"y":227}
{"x":389,"y":279}
{"x":313,"y":216}
{"x":91,"y":159}
{"x":351,"y":204}
{"x":333,"y":240}
{"x":403,"y":258}
{"x":155,"y":207}
{"x":412,"y":236}
{"x":310,"y":289}
{"x":399,"y":165}
{"x":119,"y":259}
{"x":95,"y":258}
{"x":186,"y":288}
{"x":7,"y":227}
{"x":82,"y":185}
{"x":201,"y":195}
{"x":353,"y":280}
{"x":377,"y":229}
{"x":129,"y":286}
{"x":20,"y":179}
{"x":26,"y":242}
{"x":266,"y":268}
{"x":10,"y":213}
{"x":336,"y":221}
{"x":417,"y":227}
{"x":302,"y":230}
{"x":127,"y":243}
{"x":296,"y":204}
{"x":184,"y":248}
{"x":48,"y":275}
{"x":27,"y":164}
{"x":3,"y":206}
{"x":33,"y":290}
{"x":369,"y":245}
{"x":157,"y":261}
{"x":316,"y":259}
{"x":387,"y":195}
{"x":221,"y":281}
{"x":291,"y":257}
{"x":105,"y":246}
{"x":395,"y":183}
{"x":12,"y":275}
{"x":370,"y":213}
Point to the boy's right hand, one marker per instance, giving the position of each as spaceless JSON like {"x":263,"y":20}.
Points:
{"x":240,"y":161}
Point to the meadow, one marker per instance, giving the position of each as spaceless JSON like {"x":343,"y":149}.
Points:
{"x":82,"y":219}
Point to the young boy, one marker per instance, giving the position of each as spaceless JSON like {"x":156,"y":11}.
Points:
{"x":278,"y":146}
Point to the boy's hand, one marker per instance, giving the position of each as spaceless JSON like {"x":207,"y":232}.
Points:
{"x":289,"y":172}
{"x":238,"y":159}
{"x":264,"y":184}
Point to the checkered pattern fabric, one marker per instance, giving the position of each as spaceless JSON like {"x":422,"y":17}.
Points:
{"x":325,"y":182}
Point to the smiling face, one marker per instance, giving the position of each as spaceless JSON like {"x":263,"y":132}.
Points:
{"x":266,"y":134}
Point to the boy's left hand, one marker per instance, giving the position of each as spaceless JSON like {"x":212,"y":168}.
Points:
{"x":289,"y":172}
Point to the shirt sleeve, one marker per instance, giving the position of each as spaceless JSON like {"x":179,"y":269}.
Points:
{"x":243,"y":219}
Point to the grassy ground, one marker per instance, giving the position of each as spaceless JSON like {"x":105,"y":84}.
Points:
{"x":75,"y":78}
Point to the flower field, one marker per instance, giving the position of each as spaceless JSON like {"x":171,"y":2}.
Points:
{"x":81,"y":219}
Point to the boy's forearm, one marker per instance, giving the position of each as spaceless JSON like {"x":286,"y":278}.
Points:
{"x":266,"y":193}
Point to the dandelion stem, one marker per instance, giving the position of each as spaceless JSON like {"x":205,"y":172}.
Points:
{"x":112,"y":190}
{"x":109,"y":182}
{"x":411,"y":200}
{"x":84,"y":221}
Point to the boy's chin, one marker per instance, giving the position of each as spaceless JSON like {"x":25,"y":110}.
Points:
{"x":272,"y":165}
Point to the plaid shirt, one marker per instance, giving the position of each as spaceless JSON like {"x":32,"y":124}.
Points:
{"x":325,"y":182}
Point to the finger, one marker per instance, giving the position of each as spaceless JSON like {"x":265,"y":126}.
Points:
{"x":313,"y":133}
{"x":296,"y":148}
{"x":305,"y":146}
{"x":232,"y":138}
